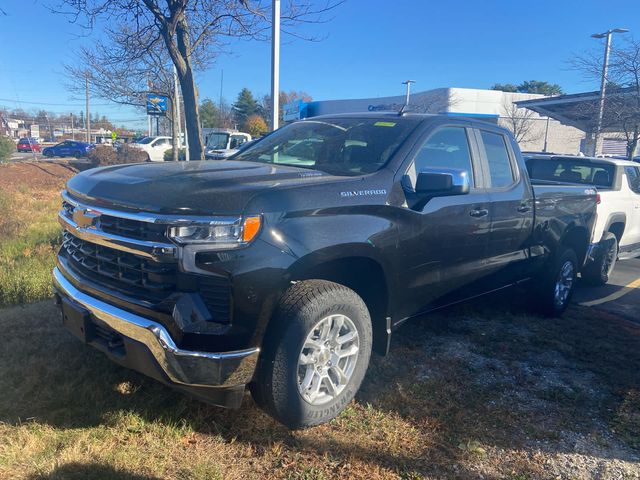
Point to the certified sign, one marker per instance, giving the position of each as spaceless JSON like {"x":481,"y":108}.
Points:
{"x":156,"y":104}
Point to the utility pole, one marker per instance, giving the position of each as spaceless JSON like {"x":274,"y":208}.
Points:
{"x":603,"y":82}
{"x":88,"y":114}
{"x":73,"y":132}
{"x":408,"y":84}
{"x":220,"y":125}
{"x":275,"y":65}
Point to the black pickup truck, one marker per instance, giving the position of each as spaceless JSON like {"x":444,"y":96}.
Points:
{"x":284,"y":267}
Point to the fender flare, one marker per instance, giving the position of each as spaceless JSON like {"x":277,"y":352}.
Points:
{"x":618,"y":217}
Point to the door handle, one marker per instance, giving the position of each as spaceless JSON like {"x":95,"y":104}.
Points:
{"x":479,"y":212}
{"x":524,"y":208}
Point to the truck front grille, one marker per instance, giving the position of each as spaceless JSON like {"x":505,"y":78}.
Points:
{"x":119,"y":269}
{"x":141,"y":275}
{"x":125,"y":227}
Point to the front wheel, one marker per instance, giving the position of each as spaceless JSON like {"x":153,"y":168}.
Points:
{"x":315,"y":354}
{"x":555,"y":286}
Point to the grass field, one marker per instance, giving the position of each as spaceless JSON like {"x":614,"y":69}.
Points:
{"x":485,"y":390}
{"x":29,"y":232}
{"x":475,"y":391}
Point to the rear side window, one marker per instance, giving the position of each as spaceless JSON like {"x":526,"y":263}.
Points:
{"x":572,"y":170}
{"x":633,"y":177}
{"x":500,"y":168}
{"x":447,"y":147}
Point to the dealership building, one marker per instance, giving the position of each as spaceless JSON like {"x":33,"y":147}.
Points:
{"x":534,"y":132}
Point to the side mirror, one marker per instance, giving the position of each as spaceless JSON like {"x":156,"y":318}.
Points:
{"x":442,"y":182}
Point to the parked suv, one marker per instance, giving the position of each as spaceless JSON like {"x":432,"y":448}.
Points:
{"x":27,"y":144}
{"x":617,"y":230}
{"x":286,"y":266}
{"x":154,"y":147}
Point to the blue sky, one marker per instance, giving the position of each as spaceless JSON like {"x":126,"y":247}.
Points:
{"x":370,"y":47}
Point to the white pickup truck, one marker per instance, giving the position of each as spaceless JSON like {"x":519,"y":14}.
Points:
{"x":616,"y":235}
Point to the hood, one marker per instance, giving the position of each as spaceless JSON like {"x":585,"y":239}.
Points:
{"x":208,"y":187}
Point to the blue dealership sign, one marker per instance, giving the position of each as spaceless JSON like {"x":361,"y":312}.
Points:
{"x":156,"y":104}
{"x":294,"y":111}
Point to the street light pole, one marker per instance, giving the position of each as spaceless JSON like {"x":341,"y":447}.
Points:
{"x":603,"y":82}
{"x":275,"y":65}
{"x":408,"y":84}
{"x":88,"y":114}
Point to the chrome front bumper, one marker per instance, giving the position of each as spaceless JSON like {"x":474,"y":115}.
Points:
{"x":181,"y":367}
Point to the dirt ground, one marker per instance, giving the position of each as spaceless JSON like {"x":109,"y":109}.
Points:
{"x":34,"y":175}
{"x":484,"y":390}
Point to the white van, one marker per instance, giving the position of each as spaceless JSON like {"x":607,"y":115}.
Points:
{"x":220,"y":144}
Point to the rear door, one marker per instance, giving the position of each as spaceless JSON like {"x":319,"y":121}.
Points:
{"x":158,"y":147}
{"x":443,"y":246}
{"x":632,"y":232}
{"x":512,"y":209}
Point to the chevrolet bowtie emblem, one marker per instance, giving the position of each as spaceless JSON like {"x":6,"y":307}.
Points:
{"x":85,"y":218}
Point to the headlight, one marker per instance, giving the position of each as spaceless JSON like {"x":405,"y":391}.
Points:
{"x":221,"y":232}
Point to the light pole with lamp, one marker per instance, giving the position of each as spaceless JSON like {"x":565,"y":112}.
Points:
{"x":275,"y":65}
{"x":603,"y":82}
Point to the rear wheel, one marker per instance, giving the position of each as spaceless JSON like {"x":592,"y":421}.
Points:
{"x":315,"y":354}
{"x":556,"y":285}
{"x":599,"y":271}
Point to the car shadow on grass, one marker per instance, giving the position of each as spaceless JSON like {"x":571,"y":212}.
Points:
{"x":89,"y":471}
{"x":474,"y":384}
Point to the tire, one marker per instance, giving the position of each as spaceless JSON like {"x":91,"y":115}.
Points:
{"x":294,"y":355}
{"x":557,"y":283}
{"x":600,"y":269}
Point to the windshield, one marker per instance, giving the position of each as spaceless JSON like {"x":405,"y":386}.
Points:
{"x":217,"y":141}
{"x":340,"y":146}
{"x":571,"y":170}
{"x":145,"y":140}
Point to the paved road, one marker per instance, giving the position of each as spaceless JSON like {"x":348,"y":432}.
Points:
{"x":21,"y":156}
{"x":620,"y":296}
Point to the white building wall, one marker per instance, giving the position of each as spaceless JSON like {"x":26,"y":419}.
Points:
{"x":469,"y":101}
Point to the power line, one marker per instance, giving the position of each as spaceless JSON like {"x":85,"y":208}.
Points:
{"x":56,"y":104}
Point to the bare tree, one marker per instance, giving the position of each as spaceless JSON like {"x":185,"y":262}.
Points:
{"x":622,"y":102}
{"x":519,"y":121}
{"x":189,"y":30}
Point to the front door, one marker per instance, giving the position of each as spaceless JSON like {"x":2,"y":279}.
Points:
{"x":442,"y":246}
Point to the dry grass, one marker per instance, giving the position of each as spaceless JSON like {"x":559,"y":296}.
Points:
{"x":469,"y":392}
{"x":29,"y":232}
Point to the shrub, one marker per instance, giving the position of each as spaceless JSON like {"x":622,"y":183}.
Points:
{"x":129,"y":154}
{"x":7,"y":147}
{"x":104,"y":155}
{"x":168,"y":155}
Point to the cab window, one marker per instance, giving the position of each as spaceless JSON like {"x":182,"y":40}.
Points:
{"x":447,"y":147}
{"x":499,"y":163}
{"x":237,"y":140}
